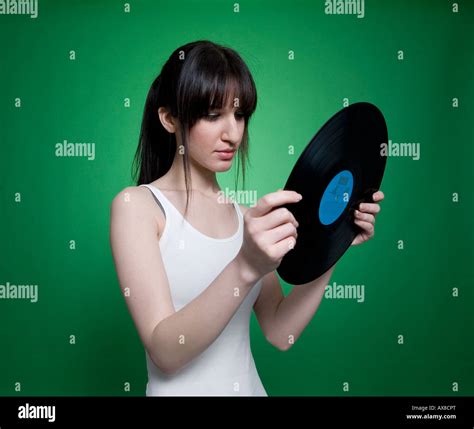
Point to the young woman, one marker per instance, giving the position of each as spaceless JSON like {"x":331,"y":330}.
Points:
{"x":191,"y":267}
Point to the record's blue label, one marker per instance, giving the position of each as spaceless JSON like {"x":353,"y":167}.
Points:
{"x":336,"y":197}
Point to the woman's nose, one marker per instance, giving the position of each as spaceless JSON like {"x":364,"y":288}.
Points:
{"x":232,"y":128}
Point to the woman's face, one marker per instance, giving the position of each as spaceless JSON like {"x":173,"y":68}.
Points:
{"x":214,"y":139}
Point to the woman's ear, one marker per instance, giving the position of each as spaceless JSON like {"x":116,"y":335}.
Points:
{"x":167,"y":120}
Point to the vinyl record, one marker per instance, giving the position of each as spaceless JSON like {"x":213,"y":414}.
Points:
{"x":341,"y":167}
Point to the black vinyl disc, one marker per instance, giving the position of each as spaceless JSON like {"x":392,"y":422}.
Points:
{"x":341,"y":167}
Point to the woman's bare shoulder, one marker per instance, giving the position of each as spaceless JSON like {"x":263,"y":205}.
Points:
{"x":137,"y":204}
{"x":132,"y":196}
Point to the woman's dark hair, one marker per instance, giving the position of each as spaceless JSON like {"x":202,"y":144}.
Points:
{"x":198,"y":77}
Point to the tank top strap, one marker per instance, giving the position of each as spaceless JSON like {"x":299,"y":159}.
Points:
{"x":166,"y":205}
{"x":240,"y":215}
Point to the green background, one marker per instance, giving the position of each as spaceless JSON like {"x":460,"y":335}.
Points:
{"x":408,"y":292}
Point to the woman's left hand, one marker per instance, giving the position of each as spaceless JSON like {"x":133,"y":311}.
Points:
{"x":365,"y":218}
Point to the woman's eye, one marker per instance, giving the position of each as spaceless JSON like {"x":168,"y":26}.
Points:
{"x":214,"y":116}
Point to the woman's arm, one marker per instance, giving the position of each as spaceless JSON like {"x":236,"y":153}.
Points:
{"x":172,"y":338}
{"x":283,"y":319}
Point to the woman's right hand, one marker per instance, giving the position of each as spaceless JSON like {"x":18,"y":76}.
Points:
{"x":269,"y":233}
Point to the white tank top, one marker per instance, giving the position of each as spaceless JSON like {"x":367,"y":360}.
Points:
{"x":192,"y":261}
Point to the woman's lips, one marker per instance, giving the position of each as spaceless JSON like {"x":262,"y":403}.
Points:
{"x":225,"y":154}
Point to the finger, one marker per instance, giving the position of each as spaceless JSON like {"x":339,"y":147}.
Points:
{"x":378,"y":196}
{"x":369,"y":208}
{"x":274,"y":199}
{"x":281,"y":248}
{"x":367,"y":217}
{"x":277,"y":217}
{"x":281,"y":232}
{"x":367,"y":227}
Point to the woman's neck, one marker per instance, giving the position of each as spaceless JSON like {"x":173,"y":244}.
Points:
{"x":202,"y":180}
